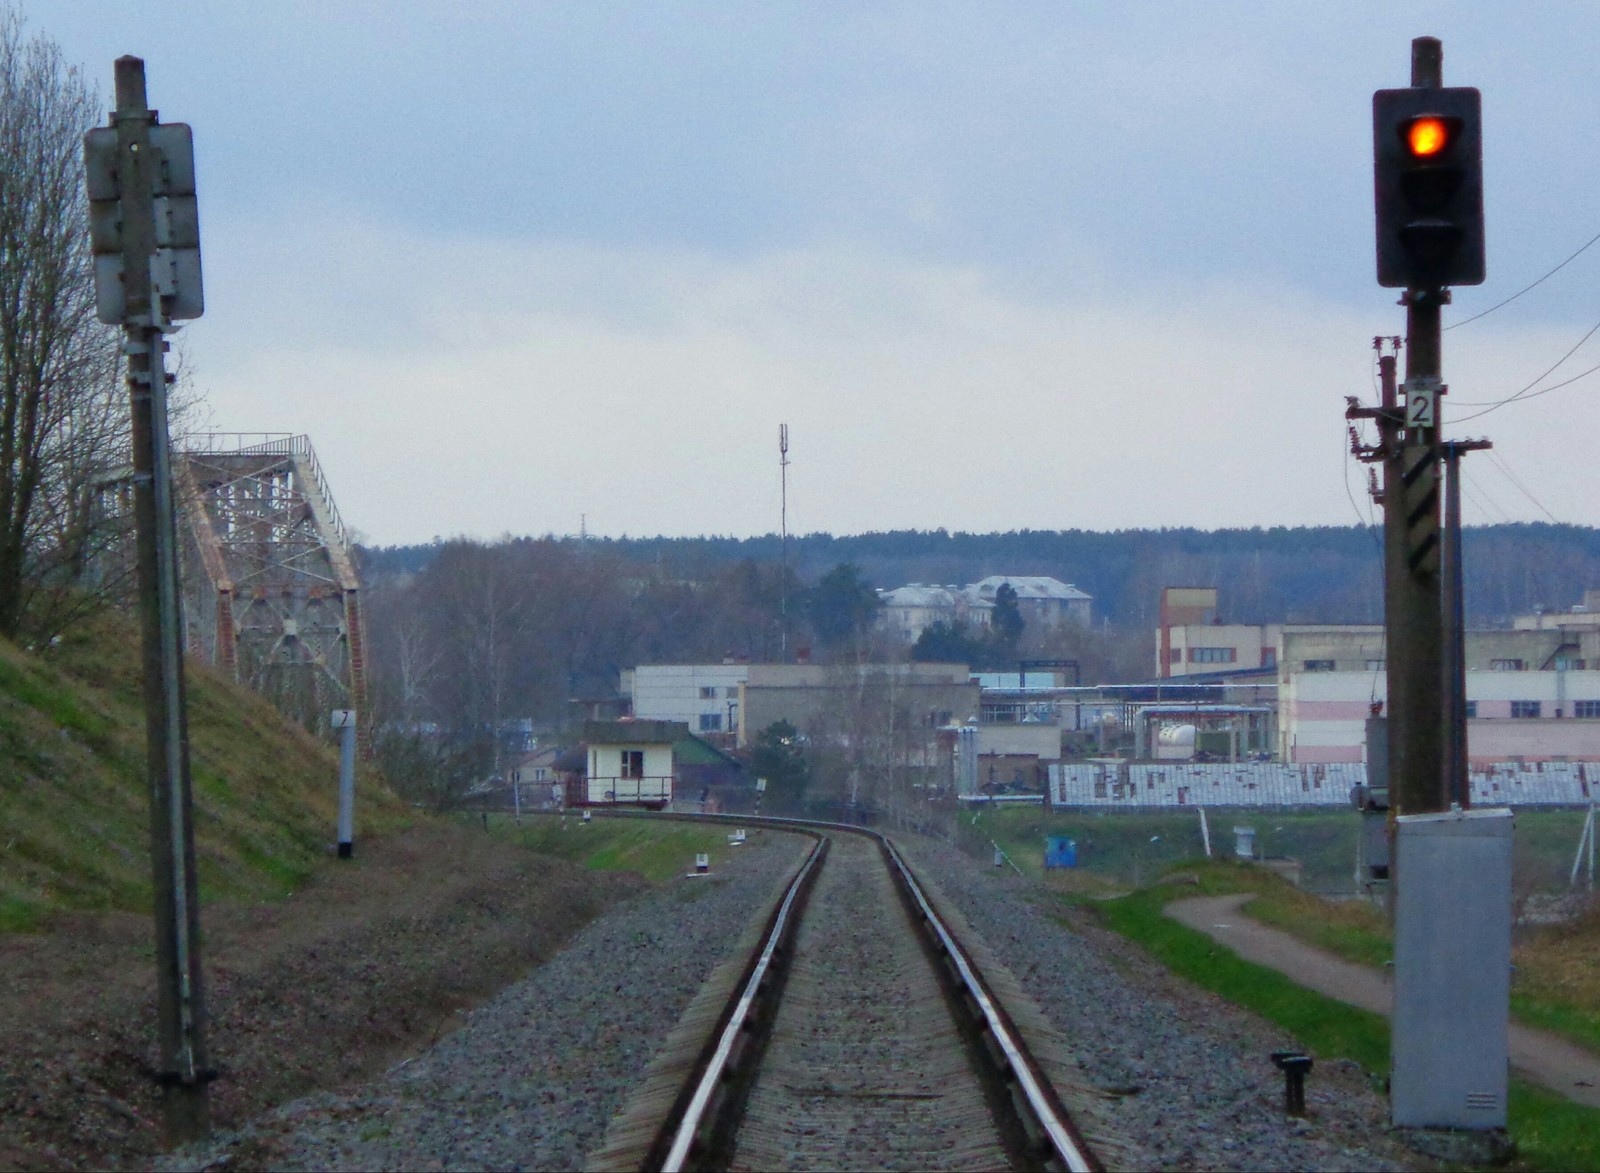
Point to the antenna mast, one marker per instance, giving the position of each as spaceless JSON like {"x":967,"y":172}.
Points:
{"x":783,"y":584}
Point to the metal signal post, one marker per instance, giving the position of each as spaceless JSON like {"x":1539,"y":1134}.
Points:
{"x":1428,"y":190}
{"x":145,"y":237}
{"x":1450,"y":869}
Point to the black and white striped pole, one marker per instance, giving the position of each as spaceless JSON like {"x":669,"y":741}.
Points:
{"x":344,"y":720}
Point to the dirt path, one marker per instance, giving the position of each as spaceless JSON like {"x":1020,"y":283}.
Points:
{"x":1547,"y":1059}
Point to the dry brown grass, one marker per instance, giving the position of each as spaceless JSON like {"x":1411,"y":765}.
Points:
{"x":1558,"y":976}
{"x":369,"y":960}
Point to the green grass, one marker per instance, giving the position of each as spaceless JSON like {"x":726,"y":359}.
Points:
{"x":74,"y":811}
{"x":1551,"y":1132}
{"x":657,"y":850}
{"x":1558,"y":982}
{"x":1555,"y":988}
{"x":1354,"y":930}
{"x":19,"y":915}
{"x":1328,"y":1026}
{"x":1132,"y":847}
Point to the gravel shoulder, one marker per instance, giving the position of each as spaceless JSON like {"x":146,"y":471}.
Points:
{"x":533,"y":1076}
{"x":1188,"y":1075}
{"x":451,"y":1001}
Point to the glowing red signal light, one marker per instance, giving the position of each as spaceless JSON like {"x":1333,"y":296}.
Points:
{"x":1427,"y":136}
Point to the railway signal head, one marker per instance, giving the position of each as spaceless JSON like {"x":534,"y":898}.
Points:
{"x":1427,"y":147}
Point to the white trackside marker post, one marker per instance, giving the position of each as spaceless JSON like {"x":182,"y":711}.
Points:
{"x":344,"y":720}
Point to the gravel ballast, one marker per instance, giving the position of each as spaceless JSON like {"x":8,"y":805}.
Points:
{"x":1190,"y":1079}
{"x":531,"y":1079}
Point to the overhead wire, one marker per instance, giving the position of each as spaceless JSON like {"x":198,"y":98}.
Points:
{"x":1505,"y":469}
{"x":1531,"y":395}
{"x":1481,"y":496}
{"x":1528,"y":391}
{"x":1526,"y":288}
{"x":1368,"y":521}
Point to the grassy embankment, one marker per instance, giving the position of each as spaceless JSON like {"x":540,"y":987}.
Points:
{"x":74,"y":808}
{"x":1558,"y":967}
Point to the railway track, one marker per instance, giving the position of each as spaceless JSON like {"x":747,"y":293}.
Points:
{"x":858,"y":1032}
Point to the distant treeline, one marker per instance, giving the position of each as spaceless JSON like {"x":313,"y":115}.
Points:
{"x":1327,"y":574}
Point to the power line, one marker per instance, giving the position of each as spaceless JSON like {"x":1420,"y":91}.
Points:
{"x":1515,"y":480}
{"x":1534,"y":395}
{"x":1526,"y":288}
{"x":1482,"y":498}
{"x":1495,"y":405}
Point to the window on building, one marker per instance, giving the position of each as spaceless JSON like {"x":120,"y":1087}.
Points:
{"x":1570,"y":664}
{"x":1586,"y":709}
{"x":1269,"y":657}
{"x":1174,"y":655}
{"x":708,"y":692}
{"x":1524,"y":708}
{"x":1318,"y":665}
{"x":633,"y":763}
{"x":710,"y":722}
{"x":1375,"y":665}
{"x":1472,"y":710}
{"x":1213,"y":655}
{"x":1505,"y":665}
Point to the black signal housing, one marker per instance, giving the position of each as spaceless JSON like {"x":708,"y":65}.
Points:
{"x":1428,"y":187}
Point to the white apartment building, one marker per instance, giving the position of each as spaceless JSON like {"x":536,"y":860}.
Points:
{"x":1041,"y":601}
{"x":705,"y":697}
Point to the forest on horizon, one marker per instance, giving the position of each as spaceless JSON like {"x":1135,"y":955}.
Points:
{"x":1311,"y":574}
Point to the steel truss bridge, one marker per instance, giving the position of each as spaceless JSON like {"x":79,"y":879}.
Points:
{"x":271,"y":593}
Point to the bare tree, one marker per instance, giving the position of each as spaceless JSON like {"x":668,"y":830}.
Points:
{"x":62,"y":417}
{"x":870,"y":750}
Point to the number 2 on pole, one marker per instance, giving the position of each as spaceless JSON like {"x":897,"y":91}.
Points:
{"x":1420,"y":408}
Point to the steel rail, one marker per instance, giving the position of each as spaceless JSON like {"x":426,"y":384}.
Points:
{"x":1070,"y":1149}
{"x":716,"y":1068}
{"x":1067,"y":1146}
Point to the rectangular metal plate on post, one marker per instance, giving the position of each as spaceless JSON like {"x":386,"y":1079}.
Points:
{"x":1452,"y":959}
{"x":100,"y":162}
{"x":176,"y":273}
{"x":1421,"y":396}
{"x":110,"y":302}
{"x":105,"y":228}
{"x":175,"y":176}
{"x":177,"y":222}
{"x":175,"y":269}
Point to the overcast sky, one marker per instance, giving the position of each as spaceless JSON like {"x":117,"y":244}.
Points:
{"x":996,"y":265}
